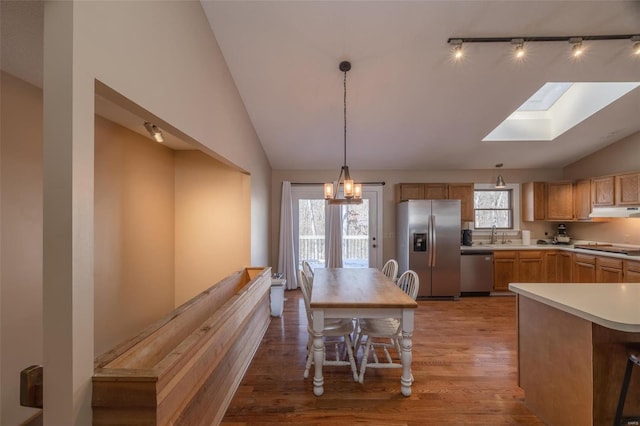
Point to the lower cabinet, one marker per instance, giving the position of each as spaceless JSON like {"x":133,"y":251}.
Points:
{"x":505,"y":269}
{"x":631,"y":271}
{"x":609,"y":270}
{"x":565,"y":267}
{"x":584,"y":268}
{"x":558,"y":266}
{"x":531,"y":267}
{"x":525,"y":266}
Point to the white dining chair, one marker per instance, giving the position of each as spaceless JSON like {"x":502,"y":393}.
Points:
{"x":384,"y":333}
{"x":335,"y":328}
{"x":390,"y":269}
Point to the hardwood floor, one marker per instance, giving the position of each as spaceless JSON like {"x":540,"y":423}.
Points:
{"x":464,"y":366}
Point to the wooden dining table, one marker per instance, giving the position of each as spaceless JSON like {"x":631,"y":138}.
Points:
{"x":359,"y":293}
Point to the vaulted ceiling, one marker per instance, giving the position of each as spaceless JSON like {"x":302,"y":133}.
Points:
{"x":410,"y":105}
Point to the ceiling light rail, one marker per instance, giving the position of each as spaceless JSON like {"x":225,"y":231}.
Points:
{"x":576,"y":42}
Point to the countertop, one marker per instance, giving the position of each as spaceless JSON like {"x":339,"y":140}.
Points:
{"x":564,"y":247}
{"x":615,"y":306}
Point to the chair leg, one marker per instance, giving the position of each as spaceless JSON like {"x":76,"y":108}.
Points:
{"x":625,"y":386}
{"x":363,"y":364}
{"x":352,"y":360}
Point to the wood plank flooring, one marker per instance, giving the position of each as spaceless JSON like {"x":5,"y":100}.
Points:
{"x":464,"y":366}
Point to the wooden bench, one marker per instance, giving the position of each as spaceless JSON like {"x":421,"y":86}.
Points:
{"x":185,"y":368}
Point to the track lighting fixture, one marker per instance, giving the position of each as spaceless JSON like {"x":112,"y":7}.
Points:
{"x":519,"y":43}
{"x":154,"y":131}
{"x":636,"y":45}
{"x":575,"y":41}
{"x":576,"y":46}
{"x":457,"y":49}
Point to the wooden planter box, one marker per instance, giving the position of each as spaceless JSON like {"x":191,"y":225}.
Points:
{"x":185,"y":368}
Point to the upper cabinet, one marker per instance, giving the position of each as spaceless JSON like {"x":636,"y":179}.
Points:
{"x":560,"y":201}
{"x":464,"y":193}
{"x":627,"y":189}
{"x":602,"y":191}
{"x":534,"y":201}
{"x":582,"y":199}
{"x":440,"y":191}
{"x":411,"y":191}
{"x":547,"y":201}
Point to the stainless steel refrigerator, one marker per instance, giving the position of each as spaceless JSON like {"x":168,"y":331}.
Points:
{"x":428,"y":237}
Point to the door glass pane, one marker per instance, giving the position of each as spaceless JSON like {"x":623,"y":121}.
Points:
{"x":355,"y":235}
{"x":311,"y":225}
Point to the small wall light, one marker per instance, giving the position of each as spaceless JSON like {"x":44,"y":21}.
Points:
{"x":154,"y":131}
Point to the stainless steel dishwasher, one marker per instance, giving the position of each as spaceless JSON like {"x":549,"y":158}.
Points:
{"x":476,"y":272}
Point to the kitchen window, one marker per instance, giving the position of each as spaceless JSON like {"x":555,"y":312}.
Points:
{"x":493,"y":207}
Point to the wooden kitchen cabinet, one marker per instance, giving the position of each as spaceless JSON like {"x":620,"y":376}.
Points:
{"x":534,"y":201}
{"x":584,"y":268}
{"x":436,"y":191}
{"x":627,"y":189}
{"x":410,"y":191}
{"x":565,"y":267}
{"x":505,"y":269}
{"x":559,"y":201}
{"x":440,"y":191}
{"x":609,"y":270}
{"x":631,"y":271}
{"x":552,"y":266}
{"x":464,"y":193}
{"x":582,"y":199}
{"x":531,"y":266}
{"x":602,"y":191}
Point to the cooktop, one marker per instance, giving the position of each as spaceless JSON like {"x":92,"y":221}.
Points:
{"x":610,"y":249}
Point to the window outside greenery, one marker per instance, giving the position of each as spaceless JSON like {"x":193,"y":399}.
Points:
{"x":493,"y":207}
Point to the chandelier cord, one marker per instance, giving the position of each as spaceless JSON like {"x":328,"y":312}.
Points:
{"x":345,"y":118}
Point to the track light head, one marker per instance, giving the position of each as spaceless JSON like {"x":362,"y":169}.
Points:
{"x":636,"y":45}
{"x":457,"y":48}
{"x":154,"y":131}
{"x":519,"y":50}
{"x":576,"y":46}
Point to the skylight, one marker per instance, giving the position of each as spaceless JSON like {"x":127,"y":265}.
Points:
{"x":556,"y":108}
{"x":545,"y":97}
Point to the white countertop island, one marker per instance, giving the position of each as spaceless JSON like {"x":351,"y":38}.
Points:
{"x":615,"y":306}
{"x":573,"y":344}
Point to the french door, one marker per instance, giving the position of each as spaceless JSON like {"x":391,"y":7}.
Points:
{"x":361,"y":227}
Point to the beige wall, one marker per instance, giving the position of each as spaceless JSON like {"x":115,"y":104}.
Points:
{"x":622,"y":156}
{"x":134,"y":233}
{"x":619,"y":157}
{"x":393,"y":177}
{"x":21,"y":243}
{"x":136,"y":253}
{"x":162,"y":56}
{"x":212,"y":222}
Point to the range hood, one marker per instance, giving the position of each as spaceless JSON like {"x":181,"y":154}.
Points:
{"x":615,"y":212}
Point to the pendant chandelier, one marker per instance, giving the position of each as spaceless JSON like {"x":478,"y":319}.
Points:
{"x":352,"y":192}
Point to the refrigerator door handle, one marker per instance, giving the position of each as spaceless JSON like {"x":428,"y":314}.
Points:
{"x":433,"y":241}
